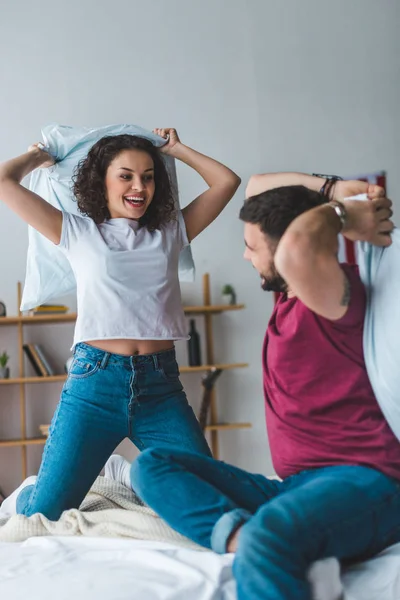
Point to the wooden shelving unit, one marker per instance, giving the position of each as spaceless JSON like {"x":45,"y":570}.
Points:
{"x":24,"y":442}
{"x":54,"y":378}
{"x":207,"y":310}
{"x":225,"y":426}
{"x":40,"y":319}
{"x":15,"y":380}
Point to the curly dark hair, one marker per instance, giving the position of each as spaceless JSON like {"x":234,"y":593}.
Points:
{"x":89,"y":181}
{"x":275,"y":209}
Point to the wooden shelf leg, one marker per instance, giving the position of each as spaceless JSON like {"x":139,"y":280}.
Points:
{"x":210,"y":361}
{"x":22,"y":403}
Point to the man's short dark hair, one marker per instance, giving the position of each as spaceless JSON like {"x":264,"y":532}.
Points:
{"x":275,"y":209}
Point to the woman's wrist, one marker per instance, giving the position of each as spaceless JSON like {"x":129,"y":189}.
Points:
{"x":39,"y":157}
{"x":178,"y":151}
{"x":18,"y":168}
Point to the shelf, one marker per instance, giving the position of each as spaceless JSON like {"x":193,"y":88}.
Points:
{"x":71,"y":317}
{"x":42,"y":440}
{"x":10,"y":320}
{"x":222,"y":426}
{"x":50,"y":379}
{"x":223,"y":367}
{"x":54,"y":378}
{"x":212,"y":309}
{"x":60,"y":318}
{"x":27,"y":442}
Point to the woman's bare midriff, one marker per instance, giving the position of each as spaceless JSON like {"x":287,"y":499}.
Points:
{"x":132,"y":347}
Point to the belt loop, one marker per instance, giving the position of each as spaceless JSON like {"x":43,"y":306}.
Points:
{"x":155,"y":361}
{"x":104,"y":360}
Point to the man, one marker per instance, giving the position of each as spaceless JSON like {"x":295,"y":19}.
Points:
{"x":338,"y":459}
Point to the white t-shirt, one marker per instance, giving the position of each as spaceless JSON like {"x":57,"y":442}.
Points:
{"x":127,"y":278}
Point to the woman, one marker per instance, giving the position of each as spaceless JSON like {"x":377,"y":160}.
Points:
{"x":124,"y":379}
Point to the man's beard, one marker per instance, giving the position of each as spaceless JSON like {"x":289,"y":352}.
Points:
{"x":273,"y":283}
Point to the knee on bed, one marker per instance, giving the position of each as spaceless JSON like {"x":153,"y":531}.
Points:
{"x":145,"y":467}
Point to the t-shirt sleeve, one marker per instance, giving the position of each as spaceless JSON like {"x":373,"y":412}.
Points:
{"x":73,"y":228}
{"x":355,"y":314}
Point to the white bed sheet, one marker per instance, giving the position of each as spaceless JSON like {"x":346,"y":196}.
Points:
{"x":80,"y":568}
{"x":83,"y":568}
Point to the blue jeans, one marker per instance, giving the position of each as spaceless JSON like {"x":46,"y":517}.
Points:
{"x":106,"y":398}
{"x":349,"y":512}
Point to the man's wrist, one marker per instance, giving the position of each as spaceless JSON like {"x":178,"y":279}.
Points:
{"x":328,"y":185}
{"x":340,"y":211}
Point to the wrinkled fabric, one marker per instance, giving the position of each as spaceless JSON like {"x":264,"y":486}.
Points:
{"x":380,"y":273}
{"x":48,"y":272}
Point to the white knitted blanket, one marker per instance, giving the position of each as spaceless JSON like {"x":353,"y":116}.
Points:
{"x":109,"y":510}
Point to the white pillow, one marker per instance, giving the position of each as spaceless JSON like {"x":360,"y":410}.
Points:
{"x":380,"y":274}
{"x":48,"y":272}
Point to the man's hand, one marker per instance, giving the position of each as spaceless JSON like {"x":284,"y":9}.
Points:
{"x":369,"y":221}
{"x":353,"y":187}
{"x":307,"y":254}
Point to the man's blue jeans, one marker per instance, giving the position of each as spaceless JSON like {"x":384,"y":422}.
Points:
{"x":106,"y":398}
{"x":348,"y":512}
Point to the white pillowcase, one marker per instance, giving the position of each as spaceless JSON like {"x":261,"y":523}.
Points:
{"x":380,"y":274}
{"x":48,"y":272}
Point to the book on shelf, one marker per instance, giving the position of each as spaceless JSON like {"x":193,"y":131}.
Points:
{"x":28,"y":351}
{"x":38,"y":360}
{"x":52,"y":307}
{"x":49,"y":309}
{"x":43,"y":358}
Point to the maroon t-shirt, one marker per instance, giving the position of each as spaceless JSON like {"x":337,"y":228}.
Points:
{"x":320,"y":406}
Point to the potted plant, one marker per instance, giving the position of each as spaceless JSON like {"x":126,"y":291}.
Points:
{"x":4,"y":370}
{"x":228,"y":295}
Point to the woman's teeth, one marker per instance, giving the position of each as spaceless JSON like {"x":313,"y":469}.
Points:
{"x":134,"y":201}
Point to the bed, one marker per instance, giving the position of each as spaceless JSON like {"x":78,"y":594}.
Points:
{"x":111,"y":569}
{"x":93,"y":561}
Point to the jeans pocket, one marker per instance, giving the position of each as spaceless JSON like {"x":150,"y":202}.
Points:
{"x":170,"y":371}
{"x":82,"y":367}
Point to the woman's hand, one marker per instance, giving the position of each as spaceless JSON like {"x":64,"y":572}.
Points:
{"x":48,"y":160}
{"x":173,"y":140}
{"x":222,"y":183}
